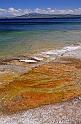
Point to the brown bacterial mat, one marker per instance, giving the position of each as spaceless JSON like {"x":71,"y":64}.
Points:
{"x":47,"y":84}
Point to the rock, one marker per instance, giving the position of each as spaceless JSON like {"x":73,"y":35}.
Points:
{"x":28,"y":61}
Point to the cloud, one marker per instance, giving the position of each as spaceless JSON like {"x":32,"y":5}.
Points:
{"x":10,"y":12}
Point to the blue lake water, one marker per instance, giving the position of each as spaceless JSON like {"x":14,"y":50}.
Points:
{"x":19,"y":36}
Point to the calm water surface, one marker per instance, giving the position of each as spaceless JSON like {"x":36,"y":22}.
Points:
{"x":25,"y":37}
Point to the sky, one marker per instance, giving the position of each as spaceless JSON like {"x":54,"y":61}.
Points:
{"x":19,"y":7}
{"x":60,"y":4}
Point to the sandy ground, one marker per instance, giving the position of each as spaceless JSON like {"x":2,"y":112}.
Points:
{"x":62,"y":113}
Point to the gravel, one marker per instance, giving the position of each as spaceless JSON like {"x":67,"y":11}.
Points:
{"x":63,"y":113}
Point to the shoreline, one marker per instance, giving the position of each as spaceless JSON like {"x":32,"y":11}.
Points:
{"x":66,"y":59}
{"x":37,"y":59}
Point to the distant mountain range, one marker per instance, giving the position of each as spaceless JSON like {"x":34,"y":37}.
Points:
{"x":37,"y":15}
